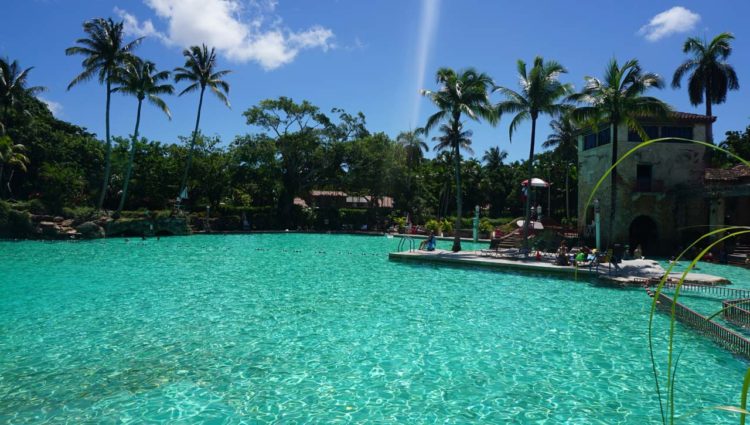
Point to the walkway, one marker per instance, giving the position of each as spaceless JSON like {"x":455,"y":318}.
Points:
{"x":632,"y":273}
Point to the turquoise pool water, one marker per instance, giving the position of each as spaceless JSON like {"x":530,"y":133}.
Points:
{"x":324,"y":329}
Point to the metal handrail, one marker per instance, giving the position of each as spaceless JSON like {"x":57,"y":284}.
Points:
{"x":403,"y":241}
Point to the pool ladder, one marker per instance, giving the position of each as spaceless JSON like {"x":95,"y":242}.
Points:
{"x":402,"y":244}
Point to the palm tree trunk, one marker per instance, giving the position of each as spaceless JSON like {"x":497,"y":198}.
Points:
{"x":710,"y":125}
{"x":130,"y":160}
{"x":183,"y":185}
{"x":2,"y":168}
{"x":108,"y":152}
{"x":10,"y":177}
{"x":528,"y":188}
{"x":613,"y":187}
{"x":457,"y":238}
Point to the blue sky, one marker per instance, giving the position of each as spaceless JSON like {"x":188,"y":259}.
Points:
{"x":367,"y":56}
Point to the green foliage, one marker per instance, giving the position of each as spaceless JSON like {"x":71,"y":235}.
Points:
{"x":80,"y":214}
{"x":447,"y":226}
{"x":485,"y":226}
{"x":64,"y":186}
{"x":434,"y":226}
{"x":14,"y":223}
{"x":736,"y":142}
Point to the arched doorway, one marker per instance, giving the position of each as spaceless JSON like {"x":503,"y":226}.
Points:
{"x":644,"y":232}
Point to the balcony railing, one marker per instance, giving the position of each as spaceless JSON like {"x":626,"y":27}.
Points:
{"x":649,"y":185}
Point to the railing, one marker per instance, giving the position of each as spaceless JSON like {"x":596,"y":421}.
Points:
{"x":649,"y":186}
{"x":736,"y":311}
{"x":726,"y":337}
{"x":721,"y":291}
{"x":402,"y":243}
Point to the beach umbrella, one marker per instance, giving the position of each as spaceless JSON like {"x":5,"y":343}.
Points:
{"x":535,"y":182}
{"x":536,"y":225}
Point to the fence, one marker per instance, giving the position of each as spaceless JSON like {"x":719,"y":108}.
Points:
{"x":726,"y":337}
{"x":736,"y":311}
{"x":721,"y":291}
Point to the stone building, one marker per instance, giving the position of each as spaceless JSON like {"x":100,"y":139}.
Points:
{"x":659,"y":188}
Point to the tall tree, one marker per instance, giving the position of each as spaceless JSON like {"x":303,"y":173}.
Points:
{"x":298,"y":129}
{"x":711,"y":75}
{"x":200,"y":71}
{"x":495,"y":180}
{"x":13,"y":156}
{"x":563,"y":138}
{"x":414,"y":146}
{"x":460,"y":93}
{"x":494,"y":157}
{"x":541,"y":93}
{"x":104,"y":51}
{"x":140,"y":78}
{"x":13,"y":81}
{"x":618,"y":99}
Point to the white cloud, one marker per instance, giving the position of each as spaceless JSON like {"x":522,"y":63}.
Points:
{"x":132,"y":27}
{"x":222,"y":24}
{"x":54,"y":107}
{"x":673,"y":21}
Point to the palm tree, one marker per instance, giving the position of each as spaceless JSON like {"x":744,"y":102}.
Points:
{"x":711,"y":74}
{"x":462,"y":93}
{"x":200,"y":70}
{"x":618,"y":99}
{"x":541,"y":93}
{"x":454,"y":139}
{"x":105,"y":51}
{"x":140,"y":78}
{"x":13,"y":156}
{"x":414,"y":146}
{"x":13,"y":82}
{"x":563,"y":137}
{"x":494,"y":157}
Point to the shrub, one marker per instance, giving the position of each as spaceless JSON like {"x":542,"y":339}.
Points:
{"x":400,"y":223}
{"x":447,"y":225}
{"x":434,"y":226}
{"x":14,"y":223}
{"x":80,"y":214}
{"x":485,"y":226}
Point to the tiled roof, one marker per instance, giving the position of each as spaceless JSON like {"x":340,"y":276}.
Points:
{"x":688,"y":117}
{"x":730,"y":174}
{"x":335,"y":193}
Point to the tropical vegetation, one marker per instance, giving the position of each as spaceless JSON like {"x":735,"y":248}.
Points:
{"x":711,"y":77}
{"x":460,"y":93}
{"x":541,"y":93}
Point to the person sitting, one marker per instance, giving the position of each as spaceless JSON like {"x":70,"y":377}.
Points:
{"x":429,"y":244}
{"x":562,"y":254}
{"x":580,"y":259}
{"x":638,"y":252}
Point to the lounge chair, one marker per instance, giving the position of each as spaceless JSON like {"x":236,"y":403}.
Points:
{"x":493,"y":250}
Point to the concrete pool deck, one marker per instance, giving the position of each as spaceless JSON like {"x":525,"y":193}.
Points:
{"x":631,"y":273}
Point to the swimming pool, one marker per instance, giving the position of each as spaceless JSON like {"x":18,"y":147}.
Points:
{"x":297,"y":328}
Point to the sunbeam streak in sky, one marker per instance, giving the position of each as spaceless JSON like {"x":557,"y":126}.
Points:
{"x":427,"y":30}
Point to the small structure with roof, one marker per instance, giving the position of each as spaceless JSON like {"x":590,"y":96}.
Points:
{"x":651,"y":209}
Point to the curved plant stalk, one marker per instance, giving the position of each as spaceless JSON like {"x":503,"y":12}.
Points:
{"x":672,"y":321}
{"x":652,"y":313}
{"x":664,"y":278}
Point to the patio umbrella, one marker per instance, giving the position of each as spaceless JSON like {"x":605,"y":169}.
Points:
{"x":536,"y":225}
{"x":535,"y":182}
